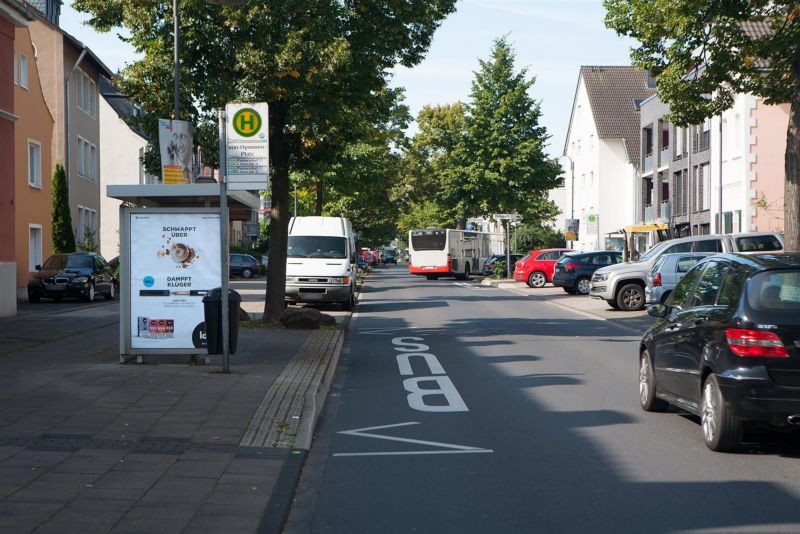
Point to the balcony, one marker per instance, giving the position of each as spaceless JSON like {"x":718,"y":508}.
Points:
{"x":666,"y":210}
{"x":664,"y":157}
{"x":649,"y":213}
{"x":648,"y":163}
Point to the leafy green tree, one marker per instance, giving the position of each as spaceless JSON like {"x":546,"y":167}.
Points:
{"x":723,"y":55}
{"x":321,"y":65}
{"x":508,"y":170}
{"x":535,"y":236}
{"x":486,"y":156}
{"x":63,"y":238}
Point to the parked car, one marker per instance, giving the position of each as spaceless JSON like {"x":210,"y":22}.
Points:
{"x":536,"y":267}
{"x":574,"y":270}
{"x":389,"y":256}
{"x":243,"y":265}
{"x":726,"y":347}
{"x":81,"y":275}
{"x":666,"y":272}
{"x":622,"y":285}
{"x":488,"y":266}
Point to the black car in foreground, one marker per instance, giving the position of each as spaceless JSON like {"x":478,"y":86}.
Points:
{"x":81,"y":275}
{"x":573,"y":272}
{"x":726,"y":346}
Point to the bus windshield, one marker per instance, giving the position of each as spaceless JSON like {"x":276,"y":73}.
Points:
{"x":428,"y":239}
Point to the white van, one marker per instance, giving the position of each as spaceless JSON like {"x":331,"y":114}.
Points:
{"x":321,"y":261}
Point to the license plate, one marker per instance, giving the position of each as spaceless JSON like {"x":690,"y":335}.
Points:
{"x":55,"y":287}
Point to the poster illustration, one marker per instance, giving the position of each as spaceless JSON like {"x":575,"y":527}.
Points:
{"x":176,"y":145}
{"x":175,"y":260}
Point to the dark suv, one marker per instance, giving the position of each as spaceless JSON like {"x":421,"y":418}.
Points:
{"x":244,"y":265}
{"x":726,"y":346}
{"x":574,"y":271}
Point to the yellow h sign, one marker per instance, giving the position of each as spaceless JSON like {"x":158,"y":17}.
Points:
{"x":247,"y":122}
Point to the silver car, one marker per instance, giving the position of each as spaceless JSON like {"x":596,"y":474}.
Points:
{"x":666,"y":272}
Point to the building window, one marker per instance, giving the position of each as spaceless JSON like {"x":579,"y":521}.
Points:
{"x":704,"y":183}
{"x":34,"y":163}
{"x":34,"y":246}
{"x":87,"y":226}
{"x":81,"y":159}
{"x":22,"y":71}
{"x":86,"y":94}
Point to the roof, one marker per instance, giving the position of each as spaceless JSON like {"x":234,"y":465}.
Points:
{"x":18,"y":13}
{"x":123,"y":107}
{"x":755,"y":29}
{"x":615,"y":93}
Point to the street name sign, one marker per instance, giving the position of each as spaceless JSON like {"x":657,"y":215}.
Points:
{"x":247,"y":146}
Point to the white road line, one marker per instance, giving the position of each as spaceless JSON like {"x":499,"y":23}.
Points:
{"x":451,"y":446}
{"x":410,"y":453}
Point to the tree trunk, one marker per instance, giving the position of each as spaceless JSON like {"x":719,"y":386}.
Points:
{"x":279,"y":225}
{"x":318,"y":205}
{"x":791,"y":196}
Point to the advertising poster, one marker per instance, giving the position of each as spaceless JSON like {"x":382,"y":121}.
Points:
{"x":175,"y":142}
{"x":571,"y":229}
{"x":175,"y":260}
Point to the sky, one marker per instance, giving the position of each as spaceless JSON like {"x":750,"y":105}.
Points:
{"x":552,"y":39}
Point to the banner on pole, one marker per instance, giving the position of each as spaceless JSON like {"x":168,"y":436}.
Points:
{"x":175,"y":139}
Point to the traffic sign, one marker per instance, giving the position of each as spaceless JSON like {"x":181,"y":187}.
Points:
{"x":247,"y":146}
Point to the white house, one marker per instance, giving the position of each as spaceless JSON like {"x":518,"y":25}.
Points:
{"x":120,"y":160}
{"x":600,"y":154}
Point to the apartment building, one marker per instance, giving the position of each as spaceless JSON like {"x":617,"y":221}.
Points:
{"x":602,"y":149}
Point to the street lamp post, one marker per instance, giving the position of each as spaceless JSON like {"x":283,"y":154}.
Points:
{"x":571,"y":190}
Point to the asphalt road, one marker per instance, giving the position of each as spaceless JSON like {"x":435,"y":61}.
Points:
{"x":536,"y":428}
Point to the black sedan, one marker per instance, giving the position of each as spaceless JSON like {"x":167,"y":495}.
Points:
{"x":81,"y":275}
{"x":726,"y":346}
{"x":574,"y":270}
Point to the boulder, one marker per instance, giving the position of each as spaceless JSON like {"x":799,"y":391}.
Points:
{"x":305,"y":318}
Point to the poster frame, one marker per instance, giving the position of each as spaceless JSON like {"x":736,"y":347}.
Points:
{"x":126,"y":351}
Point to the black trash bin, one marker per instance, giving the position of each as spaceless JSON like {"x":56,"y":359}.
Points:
{"x":212,"y":306}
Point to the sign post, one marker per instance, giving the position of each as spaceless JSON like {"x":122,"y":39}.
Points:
{"x":225,"y":256}
{"x":507,"y":219}
{"x":247,"y":146}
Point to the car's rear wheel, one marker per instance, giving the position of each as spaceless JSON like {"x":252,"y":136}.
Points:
{"x":110,"y":295}
{"x":247,"y":273}
{"x":537,"y":279}
{"x":583,"y":285}
{"x":647,"y":386}
{"x":722,"y":431}
{"x":630,"y":297}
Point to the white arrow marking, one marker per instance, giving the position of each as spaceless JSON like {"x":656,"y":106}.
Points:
{"x":451,"y":448}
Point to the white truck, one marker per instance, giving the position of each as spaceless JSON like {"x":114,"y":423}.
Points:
{"x":321,"y":261}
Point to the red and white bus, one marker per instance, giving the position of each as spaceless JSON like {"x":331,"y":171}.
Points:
{"x":436,"y":252}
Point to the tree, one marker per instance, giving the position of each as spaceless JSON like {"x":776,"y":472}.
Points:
{"x":63,"y":238}
{"x":486,"y":156}
{"x":703,"y":52}
{"x":319,"y":64}
{"x":508,"y":170}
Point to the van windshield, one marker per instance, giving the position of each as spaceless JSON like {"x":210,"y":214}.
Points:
{"x":308,"y":246}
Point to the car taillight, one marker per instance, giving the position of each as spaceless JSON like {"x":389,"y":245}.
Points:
{"x":571,"y":266}
{"x":755,"y":343}
{"x":657,"y":280}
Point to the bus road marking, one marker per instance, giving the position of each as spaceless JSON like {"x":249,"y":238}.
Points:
{"x":450,"y":448}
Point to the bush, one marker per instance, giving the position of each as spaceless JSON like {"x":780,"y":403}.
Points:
{"x":499,"y":269}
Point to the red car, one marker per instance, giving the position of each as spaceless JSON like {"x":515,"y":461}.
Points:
{"x":536,"y":268}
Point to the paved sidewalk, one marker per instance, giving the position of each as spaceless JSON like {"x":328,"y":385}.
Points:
{"x":89,"y":445}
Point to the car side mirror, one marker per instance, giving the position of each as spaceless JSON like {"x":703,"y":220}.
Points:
{"x":38,"y":267}
{"x":658,"y":310}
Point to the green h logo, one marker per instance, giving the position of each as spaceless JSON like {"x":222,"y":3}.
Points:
{"x":246,"y":122}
